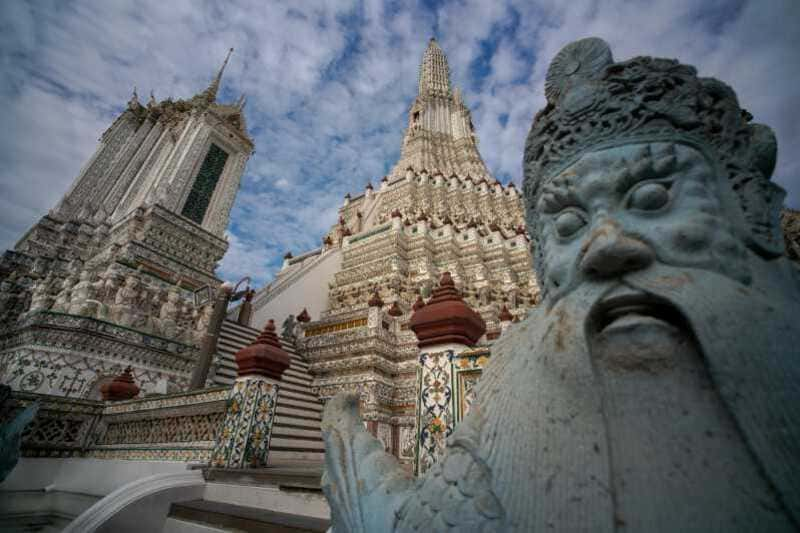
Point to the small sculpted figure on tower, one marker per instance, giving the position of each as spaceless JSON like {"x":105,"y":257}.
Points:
{"x":61,"y":304}
{"x":655,"y":388}
{"x":41,"y":297}
{"x":124,"y":309}
{"x":82,"y":298}
{"x":169,"y":314}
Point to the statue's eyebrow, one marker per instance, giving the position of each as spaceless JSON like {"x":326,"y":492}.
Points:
{"x":647,"y":166}
{"x":559,"y":193}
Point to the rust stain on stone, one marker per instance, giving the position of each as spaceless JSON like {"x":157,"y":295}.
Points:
{"x":563,"y":329}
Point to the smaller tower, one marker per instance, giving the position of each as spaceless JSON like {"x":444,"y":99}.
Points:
{"x":132,"y":244}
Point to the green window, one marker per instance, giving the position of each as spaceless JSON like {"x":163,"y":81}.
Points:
{"x":204,"y":184}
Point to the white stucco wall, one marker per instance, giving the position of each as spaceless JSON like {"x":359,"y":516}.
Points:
{"x":310,"y":290}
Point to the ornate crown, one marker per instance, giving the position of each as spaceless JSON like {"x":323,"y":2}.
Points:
{"x":594,"y":103}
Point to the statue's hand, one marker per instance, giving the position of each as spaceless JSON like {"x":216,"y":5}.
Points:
{"x":365,"y":486}
{"x":456,"y":493}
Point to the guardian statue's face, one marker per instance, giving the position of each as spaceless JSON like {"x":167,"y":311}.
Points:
{"x":634,"y":209}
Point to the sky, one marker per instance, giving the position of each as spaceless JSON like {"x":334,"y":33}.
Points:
{"x":328,"y":86}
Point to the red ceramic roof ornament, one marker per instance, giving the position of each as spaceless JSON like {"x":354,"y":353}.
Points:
{"x":505,"y":314}
{"x":121,"y":387}
{"x":327,"y":240}
{"x":304,"y":316}
{"x":396,"y":213}
{"x":446,"y":318}
{"x":395,"y":310}
{"x":265,"y":357}
{"x":375,"y":301}
{"x":419,"y":304}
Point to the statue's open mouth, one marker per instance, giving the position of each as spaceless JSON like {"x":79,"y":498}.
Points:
{"x":624,"y":309}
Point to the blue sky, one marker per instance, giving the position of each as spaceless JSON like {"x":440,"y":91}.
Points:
{"x":328,"y":85}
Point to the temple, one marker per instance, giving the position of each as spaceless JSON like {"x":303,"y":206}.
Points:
{"x":439,"y":210}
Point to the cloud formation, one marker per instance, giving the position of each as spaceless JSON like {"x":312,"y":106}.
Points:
{"x":328,"y":85}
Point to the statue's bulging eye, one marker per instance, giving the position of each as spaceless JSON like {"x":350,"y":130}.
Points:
{"x":649,"y":197}
{"x":568,"y":223}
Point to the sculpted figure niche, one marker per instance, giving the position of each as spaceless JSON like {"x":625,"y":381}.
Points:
{"x":655,"y":388}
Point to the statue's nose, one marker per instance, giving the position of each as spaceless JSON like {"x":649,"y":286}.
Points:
{"x":610,"y":253}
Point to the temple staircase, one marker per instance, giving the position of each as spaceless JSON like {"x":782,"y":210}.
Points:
{"x":283,"y":497}
{"x":296,"y":437}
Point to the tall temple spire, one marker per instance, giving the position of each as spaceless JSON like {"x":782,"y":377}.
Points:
{"x":440,"y":136}
{"x":434,"y":74}
{"x":211,"y":92}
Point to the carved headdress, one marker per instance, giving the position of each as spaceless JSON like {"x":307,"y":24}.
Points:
{"x":595,"y":103}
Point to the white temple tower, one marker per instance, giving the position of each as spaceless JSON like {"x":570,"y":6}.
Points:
{"x":113,"y":274}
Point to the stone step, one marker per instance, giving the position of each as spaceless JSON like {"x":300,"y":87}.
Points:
{"x":289,"y":432}
{"x":286,"y":420}
{"x":302,"y":396}
{"x":298,"y":413}
{"x":225,"y":381}
{"x":299,"y":445}
{"x":233,"y":325}
{"x":237,"y":336}
{"x":307,"y":473}
{"x":297,"y":374}
{"x":296,"y":380}
{"x":301,"y":388}
{"x":232,"y":344}
{"x":280,"y":457}
{"x":315,"y":407}
{"x":209,"y":516}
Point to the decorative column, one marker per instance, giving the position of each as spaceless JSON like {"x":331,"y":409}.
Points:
{"x":243,"y":441}
{"x":445,"y":327}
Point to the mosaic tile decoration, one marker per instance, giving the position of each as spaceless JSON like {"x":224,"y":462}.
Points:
{"x":243,"y":441}
{"x":467,"y":369}
{"x":445,"y":383}
{"x":434,"y":408}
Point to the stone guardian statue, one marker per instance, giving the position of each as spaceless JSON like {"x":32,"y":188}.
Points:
{"x":656,"y":386}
